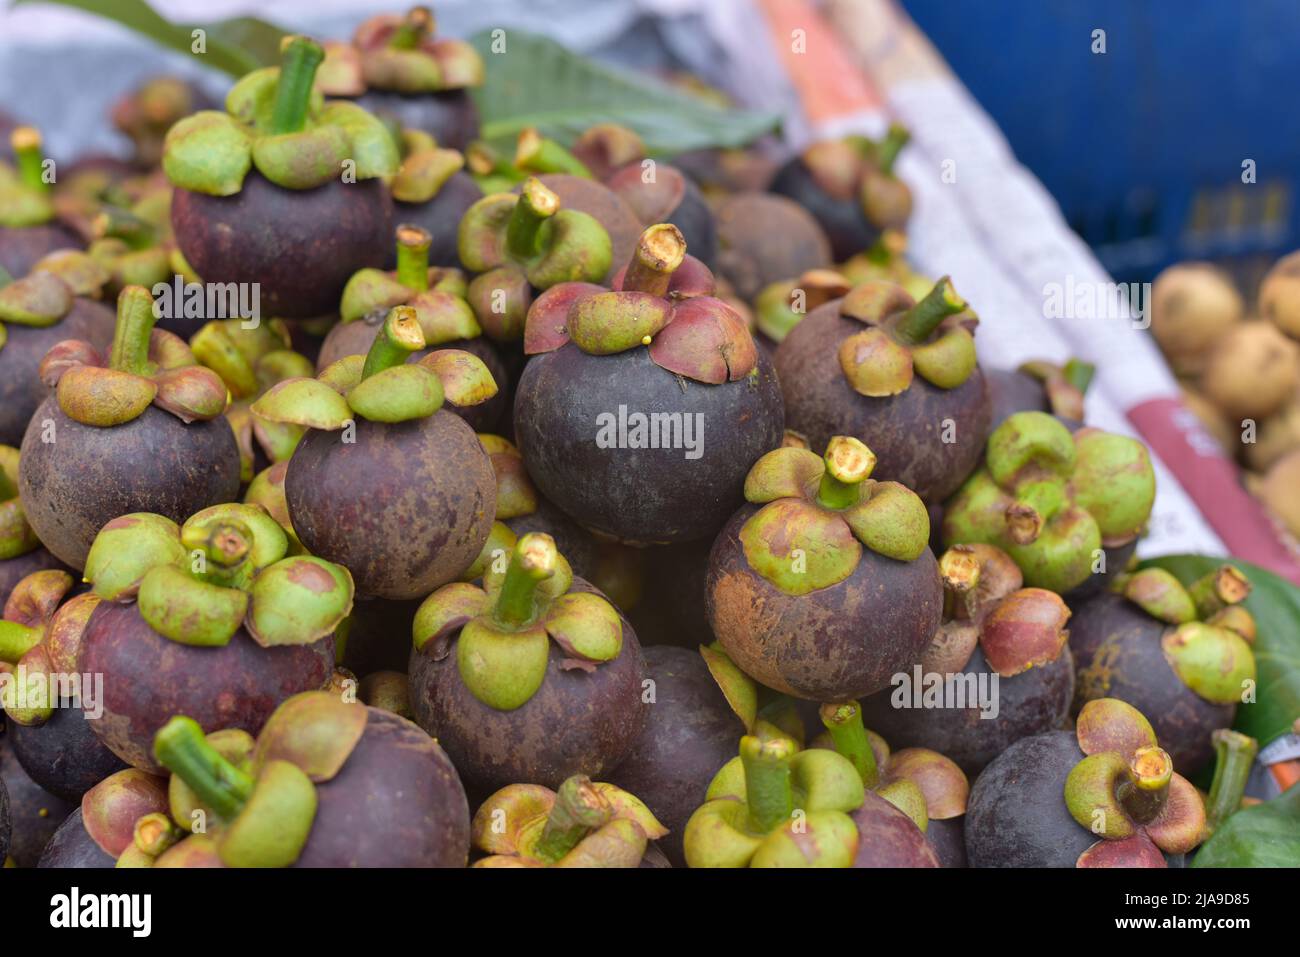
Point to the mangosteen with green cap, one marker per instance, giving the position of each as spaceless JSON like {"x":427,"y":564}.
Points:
{"x":666,"y":399}
{"x":140,"y":431}
{"x":898,"y":373}
{"x":534,"y":657}
{"x":282,"y":189}
{"x":1103,"y":795}
{"x":57,"y":300}
{"x":432,"y":191}
{"x":1057,"y":502}
{"x":437,"y":294}
{"x":1041,"y":386}
{"x":582,"y":823}
{"x":50,"y":737}
{"x":521,"y":244}
{"x":29,"y":224}
{"x":823,"y":586}
{"x":103,"y":831}
{"x":213,"y":618}
{"x":327,"y":783}
{"x":387,"y":481}
{"x":1179,"y":654}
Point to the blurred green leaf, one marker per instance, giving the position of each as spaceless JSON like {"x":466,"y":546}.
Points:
{"x":1263,"y":835}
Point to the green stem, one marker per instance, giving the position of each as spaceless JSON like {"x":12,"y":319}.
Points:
{"x":398,"y":338}
{"x":417,"y":25}
{"x":536,"y":205}
{"x":299,"y":59}
{"x":917,"y":324}
{"x":887,"y":150}
{"x":658,"y":253}
{"x":135,"y":321}
{"x":227,"y":549}
{"x":537,"y":154}
{"x":960,"y":571}
{"x":768,"y":788}
{"x":1079,"y":374}
{"x":531,"y":564}
{"x":848,"y":464}
{"x":1145,"y":791}
{"x":1216,"y":590}
{"x":1234,"y":757}
{"x":843,"y":721}
{"x":154,"y":833}
{"x":413,"y":257}
{"x":181,"y":747}
{"x":26,"y":143}
{"x":578,"y":810}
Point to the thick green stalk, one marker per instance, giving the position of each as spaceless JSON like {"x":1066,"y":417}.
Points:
{"x":135,"y":320}
{"x":849,"y":463}
{"x":537,"y":154}
{"x":26,"y":143}
{"x":578,"y":810}
{"x":768,"y":788}
{"x":536,"y":205}
{"x":533,"y":562}
{"x":413,"y":257}
{"x":299,"y":59}
{"x":658,"y":253}
{"x":181,"y":747}
{"x":417,"y":25}
{"x":1234,"y":757}
{"x":400,"y":336}
{"x":1144,"y":793}
{"x":227,"y":548}
{"x":843,"y":721}
{"x":918,"y":323}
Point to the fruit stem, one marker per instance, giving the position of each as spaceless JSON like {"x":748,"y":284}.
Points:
{"x":299,"y":58}
{"x":1079,"y":374}
{"x":135,"y":321}
{"x":227,"y":553}
{"x":578,"y":810}
{"x":916,"y":325}
{"x":533,"y":562}
{"x":400,"y":336}
{"x":848,"y":464}
{"x":1216,"y":590}
{"x":843,"y":721}
{"x":417,"y":25}
{"x":413,"y":257}
{"x":658,"y":253}
{"x":1147,"y":787}
{"x":538,"y":154}
{"x":768,"y":790}
{"x":887,"y":149}
{"x":154,"y":833}
{"x":181,"y":747}
{"x":536,"y":205}
{"x":1234,"y":756}
{"x":960,"y":571}
{"x":26,"y":143}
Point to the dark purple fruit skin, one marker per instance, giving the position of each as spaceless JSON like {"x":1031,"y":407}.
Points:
{"x":671,"y":609}
{"x":301,"y":246}
{"x":376,"y":636}
{"x":1029,"y":703}
{"x":22,"y":247}
{"x":905,"y":431}
{"x":641,"y":495}
{"x":397,"y":802}
{"x":1117,"y":654}
{"x":764,"y":238}
{"x":844,"y":641}
{"x":1016,"y":815}
{"x":88,"y":476}
{"x":690,"y":733}
{"x":844,"y":221}
{"x":1012,"y":391}
{"x":449,"y":117}
{"x":889,"y":838}
{"x":148,"y":678}
{"x":948,"y":839}
{"x":5,"y":823}
{"x":63,"y":756}
{"x":576,"y":723}
{"x":574,"y":542}
{"x":695,"y":219}
{"x":21,"y":390}
{"x":406,"y":507}
{"x":71,"y":846}
{"x":36,"y":813}
{"x":441,"y":217}
{"x":354,"y":339}
{"x":14,"y":570}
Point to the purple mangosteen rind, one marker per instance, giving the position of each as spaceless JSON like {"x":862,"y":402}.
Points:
{"x":35,"y":813}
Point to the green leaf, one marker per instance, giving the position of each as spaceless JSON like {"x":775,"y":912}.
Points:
{"x":1263,"y":835}
{"x":234,"y":46}
{"x":1275,"y":603}
{"x":537,"y":82}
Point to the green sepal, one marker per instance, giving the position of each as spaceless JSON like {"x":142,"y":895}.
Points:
{"x":274,"y":825}
{"x":502,"y":669}
{"x":799,"y":547}
{"x":102,"y":397}
{"x":447,"y":609}
{"x":208,"y":153}
{"x":500,"y":542}
{"x":1114,"y":481}
{"x":948,"y":361}
{"x":1108,"y":724}
{"x":576,"y":248}
{"x":465,"y":380}
{"x":126,"y":548}
{"x":784,"y":473}
{"x":302,"y":160}
{"x":1030,"y":438}
{"x":1161,"y":595}
{"x":586,"y":626}
{"x":370,"y":145}
{"x":1090,"y":795}
{"x":820,"y":839}
{"x":369,"y":290}
{"x":189,"y":611}
{"x":342,"y":375}
{"x":738,"y":688}
{"x":306,"y":402}
{"x":612,"y":322}
{"x":1214,"y":662}
{"x":316,"y":731}
{"x":397,"y":394}
{"x":891,"y":520}
{"x":445,"y":316}
{"x":907,"y":797}
{"x":39,"y":299}
{"x":270,"y":542}
{"x":298,"y":600}
{"x":874,"y":364}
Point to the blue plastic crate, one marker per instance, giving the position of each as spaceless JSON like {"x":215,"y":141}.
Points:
{"x":1143,"y":145}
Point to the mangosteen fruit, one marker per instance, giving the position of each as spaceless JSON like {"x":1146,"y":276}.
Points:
{"x":899,"y":374}
{"x":780,"y":306}
{"x":103,"y":830}
{"x":212,"y":617}
{"x":849,"y":187}
{"x":582,"y":194}
{"x":29,"y":227}
{"x":282,"y":189}
{"x":432,"y":191}
{"x":796,"y":599}
{"x":533,"y":677}
{"x":641,"y":371}
{"x":1055,"y":502}
{"x":583,"y":823}
{"x":886,"y":259}
{"x":1104,"y":795}
{"x":763,"y":239}
{"x":1040,"y":386}
{"x":1180,"y":654}
{"x":996,"y":670}
{"x":35,"y":813}
{"x":148,"y":111}
{"x":520,"y":244}
{"x":326,"y":784}
{"x":141,"y":431}
{"x":386,"y":481}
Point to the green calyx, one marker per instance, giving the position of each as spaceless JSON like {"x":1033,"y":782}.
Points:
{"x":1052,"y":500}
{"x":1234,"y":755}
{"x":818,"y":513}
{"x":538,"y":155}
{"x":506,"y":627}
{"x":277,"y":122}
{"x":425,"y":168}
{"x":265,"y":820}
{"x":40,"y":299}
{"x":843,"y":722}
{"x":930,"y":338}
{"x":782,"y":305}
{"x":400,"y":53}
{"x":16,"y":536}
{"x":24,"y":191}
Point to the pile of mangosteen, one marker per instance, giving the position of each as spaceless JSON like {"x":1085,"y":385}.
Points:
{"x":561,"y":503}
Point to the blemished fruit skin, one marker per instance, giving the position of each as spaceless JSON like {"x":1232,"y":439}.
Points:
{"x":63,"y":756}
{"x":34,"y":812}
{"x":300,"y":246}
{"x":1029,"y":703}
{"x":71,"y":846}
{"x":1117,"y":654}
{"x":87,"y":476}
{"x":888,"y":838}
{"x":689,"y":734}
{"x":448,"y":116}
{"x":648,"y":495}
